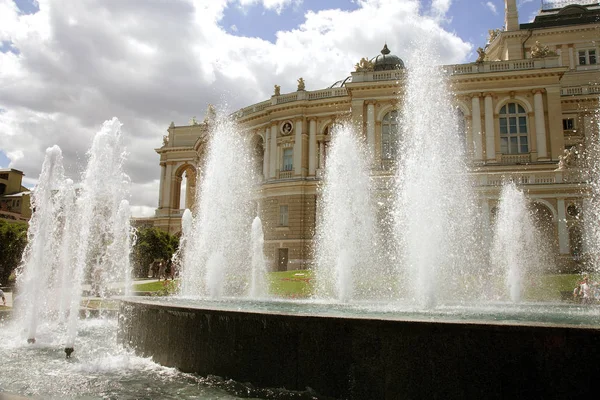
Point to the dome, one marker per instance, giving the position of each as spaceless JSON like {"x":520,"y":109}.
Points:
{"x":386,"y":61}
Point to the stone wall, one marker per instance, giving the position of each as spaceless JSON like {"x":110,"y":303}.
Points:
{"x":359,"y":358}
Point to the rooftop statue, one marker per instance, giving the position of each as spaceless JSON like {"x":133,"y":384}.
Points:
{"x":540,"y":51}
{"x":165,"y":140}
{"x":210,"y":115}
{"x":300,"y":84}
{"x":481,"y":57}
{"x":364,"y":65}
{"x":193,"y":121}
{"x":277,"y":91}
{"x":493,"y":33}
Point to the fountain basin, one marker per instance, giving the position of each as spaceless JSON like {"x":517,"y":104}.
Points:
{"x":355,"y":351}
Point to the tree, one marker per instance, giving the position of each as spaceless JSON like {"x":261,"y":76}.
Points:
{"x":152,"y":244}
{"x":13,"y":238}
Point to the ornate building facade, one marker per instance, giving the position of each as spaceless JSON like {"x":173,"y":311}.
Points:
{"x":529,"y":106}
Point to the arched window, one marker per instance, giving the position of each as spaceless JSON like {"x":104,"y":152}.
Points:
{"x":513,"y":129}
{"x":389,"y":135}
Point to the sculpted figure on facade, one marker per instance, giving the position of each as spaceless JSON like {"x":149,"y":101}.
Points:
{"x":540,"y":51}
{"x":568,"y":158}
{"x":165,"y":140}
{"x":364,"y":65}
{"x":194,"y":121}
{"x":492,"y":34}
{"x":301,"y":84}
{"x":210,"y":115}
{"x":481,"y":57}
{"x":277,"y":91}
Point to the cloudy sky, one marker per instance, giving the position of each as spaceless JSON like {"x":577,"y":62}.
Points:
{"x":68,"y":65}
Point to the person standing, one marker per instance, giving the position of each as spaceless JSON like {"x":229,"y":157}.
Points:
{"x":586,"y":291}
{"x":3,"y":297}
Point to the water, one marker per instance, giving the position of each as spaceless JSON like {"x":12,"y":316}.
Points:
{"x":99,"y":369}
{"x":75,"y":237}
{"x":217,"y":263}
{"x":435,"y":215}
{"x":517,"y":249}
{"x":486,"y":312}
{"x":346,"y":230}
{"x":258,"y":285}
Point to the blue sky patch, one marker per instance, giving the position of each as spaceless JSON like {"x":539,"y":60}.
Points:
{"x":256,"y":21}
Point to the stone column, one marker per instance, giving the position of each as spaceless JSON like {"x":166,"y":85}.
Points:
{"x":312,"y":147}
{"x":476,"y":127}
{"x":266,"y":154}
{"x":540,"y":124}
{"x":298,"y":148}
{"x":163,"y":172}
{"x":167,"y":194}
{"x":563,"y":233}
{"x":321,"y":155}
{"x":371,"y":129}
{"x":571,"y":57}
{"x":490,"y":137}
{"x":559,"y":54}
{"x":273,"y":153}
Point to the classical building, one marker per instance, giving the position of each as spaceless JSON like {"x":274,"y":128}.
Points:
{"x":529,"y":106}
{"x":14,"y":197}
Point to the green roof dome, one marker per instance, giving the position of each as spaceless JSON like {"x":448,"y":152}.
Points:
{"x":386,"y":61}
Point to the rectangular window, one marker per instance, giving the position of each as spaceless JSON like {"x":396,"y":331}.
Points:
{"x":288,"y":159}
{"x":283,"y":215}
{"x":568,"y":124}
{"x":587,"y":57}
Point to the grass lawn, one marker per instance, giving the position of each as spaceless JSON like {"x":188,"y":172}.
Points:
{"x":150,"y":286}
{"x":299,"y":284}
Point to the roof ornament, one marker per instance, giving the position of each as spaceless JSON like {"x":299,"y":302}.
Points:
{"x":364,"y":65}
{"x":493,"y":34}
{"x":481,"y":57}
{"x":540,"y":51}
{"x":277,"y":91}
{"x":385,"y":51}
{"x":211,"y":115}
{"x":301,"y":86}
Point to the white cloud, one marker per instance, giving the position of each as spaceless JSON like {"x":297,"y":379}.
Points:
{"x":492,"y":7}
{"x":155,"y":62}
{"x":275,"y":5}
{"x":440,"y":7}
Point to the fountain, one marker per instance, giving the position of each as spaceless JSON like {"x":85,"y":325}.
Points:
{"x":347,"y":226}
{"x":429,"y":330}
{"x":430,"y":325}
{"x":72,"y":235}
{"x":517,"y":248}
{"x":219,"y":255}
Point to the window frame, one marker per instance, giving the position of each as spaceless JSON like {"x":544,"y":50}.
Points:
{"x":288,"y":153}
{"x":284,"y":217}
{"x":513,"y":119}
{"x":392,"y":140}
{"x":587,"y":58}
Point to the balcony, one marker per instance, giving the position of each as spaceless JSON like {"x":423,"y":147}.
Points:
{"x":285,"y":174}
{"x":571,"y":175}
{"x":516,"y":158}
{"x":580,"y":90}
{"x":291,"y":97}
{"x":503,"y":66}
